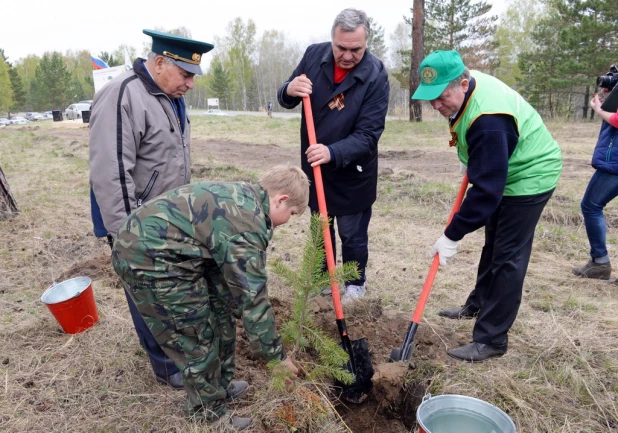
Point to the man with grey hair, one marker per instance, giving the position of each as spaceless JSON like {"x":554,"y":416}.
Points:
{"x":513,"y":164}
{"x":139,"y":149}
{"x":349,"y":92}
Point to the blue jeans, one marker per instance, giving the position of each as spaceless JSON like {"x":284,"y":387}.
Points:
{"x":353,"y":232}
{"x":602,"y":189}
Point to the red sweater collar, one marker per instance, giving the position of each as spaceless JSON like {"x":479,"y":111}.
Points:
{"x":340,"y":74}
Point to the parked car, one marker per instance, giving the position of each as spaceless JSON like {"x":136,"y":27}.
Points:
{"x":48,"y":115}
{"x":215,"y":112}
{"x":74,"y":111}
{"x":19,"y":120}
{"x":33,"y":117}
{"x":4,"y":121}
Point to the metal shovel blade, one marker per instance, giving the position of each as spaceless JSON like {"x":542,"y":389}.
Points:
{"x":397,"y":355}
{"x":360,"y":366}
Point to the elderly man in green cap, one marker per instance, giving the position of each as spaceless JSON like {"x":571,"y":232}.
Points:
{"x":513,"y":165}
{"x":139,"y":149}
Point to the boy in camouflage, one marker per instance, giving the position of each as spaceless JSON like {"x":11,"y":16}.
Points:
{"x":193,"y":260}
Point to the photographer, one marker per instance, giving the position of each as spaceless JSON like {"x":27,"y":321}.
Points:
{"x":603,"y":185}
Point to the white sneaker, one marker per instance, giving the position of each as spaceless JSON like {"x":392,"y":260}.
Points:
{"x":352,"y":293}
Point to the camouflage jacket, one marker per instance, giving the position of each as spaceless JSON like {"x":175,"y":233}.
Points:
{"x":215,"y":230}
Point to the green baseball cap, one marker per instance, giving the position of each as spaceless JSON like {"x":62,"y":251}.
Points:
{"x":186,"y":53}
{"x":437,"y":70}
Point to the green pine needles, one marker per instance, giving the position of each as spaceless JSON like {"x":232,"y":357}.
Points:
{"x":307,"y":281}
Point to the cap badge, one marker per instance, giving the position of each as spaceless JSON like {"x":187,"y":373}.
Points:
{"x":196,"y":57}
{"x":429,"y":75}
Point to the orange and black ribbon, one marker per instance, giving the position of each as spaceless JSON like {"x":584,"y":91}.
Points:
{"x":337,"y":102}
{"x":453,"y":141}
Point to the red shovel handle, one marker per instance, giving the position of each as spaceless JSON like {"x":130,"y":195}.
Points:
{"x":433,"y":270}
{"x":319,"y":188}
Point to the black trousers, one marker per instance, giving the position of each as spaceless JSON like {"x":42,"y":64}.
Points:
{"x":504,"y":262}
{"x":353,"y":232}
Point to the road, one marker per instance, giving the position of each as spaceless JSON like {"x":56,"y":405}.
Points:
{"x":282,"y":115}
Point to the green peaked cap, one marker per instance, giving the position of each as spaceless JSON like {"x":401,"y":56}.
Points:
{"x":186,"y":53}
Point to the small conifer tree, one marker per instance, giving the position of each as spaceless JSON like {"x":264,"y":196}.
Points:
{"x":301,"y":331}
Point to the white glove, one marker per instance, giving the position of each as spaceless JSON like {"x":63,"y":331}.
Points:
{"x":445,"y":248}
{"x":463,"y":168}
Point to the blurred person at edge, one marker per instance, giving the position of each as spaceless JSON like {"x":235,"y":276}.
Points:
{"x":603,"y":186}
{"x":139,"y":149}
{"x":513,"y":165}
{"x":349,"y":91}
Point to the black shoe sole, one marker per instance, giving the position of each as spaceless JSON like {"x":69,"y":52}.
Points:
{"x":460,"y":316}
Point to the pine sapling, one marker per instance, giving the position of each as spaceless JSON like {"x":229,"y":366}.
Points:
{"x":301,"y":331}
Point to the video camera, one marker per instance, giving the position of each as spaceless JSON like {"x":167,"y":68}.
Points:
{"x":609,"y":80}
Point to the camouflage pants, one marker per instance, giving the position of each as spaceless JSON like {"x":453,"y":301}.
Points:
{"x":197,"y":331}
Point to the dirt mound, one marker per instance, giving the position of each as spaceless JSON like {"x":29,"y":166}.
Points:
{"x":96,"y":268}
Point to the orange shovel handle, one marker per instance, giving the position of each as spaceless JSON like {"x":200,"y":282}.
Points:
{"x":433,"y":270}
{"x":319,"y":188}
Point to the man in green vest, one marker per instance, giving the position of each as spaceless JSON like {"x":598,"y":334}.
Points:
{"x":513,"y":165}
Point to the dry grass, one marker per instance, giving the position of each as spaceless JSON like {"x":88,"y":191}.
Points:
{"x":560,"y":374}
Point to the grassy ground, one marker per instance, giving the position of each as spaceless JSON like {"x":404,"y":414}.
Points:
{"x":561,"y":371}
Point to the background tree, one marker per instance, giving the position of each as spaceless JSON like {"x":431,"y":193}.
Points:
{"x":276,"y":61}
{"x":120,"y":52}
{"x":6,"y":92}
{"x":16,"y":85}
{"x":398,"y":64}
{"x":514,"y":34}
{"x":26,"y":68}
{"x":51,"y":87}
{"x":463,"y":26}
{"x":19,"y":94}
{"x":111,"y":59}
{"x":219,"y":82}
{"x":400,"y":51}
{"x":573,"y":44}
{"x":417,"y":55}
{"x":79,"y":65}
{"x":239,"y":47}
{"x":375,"y":43}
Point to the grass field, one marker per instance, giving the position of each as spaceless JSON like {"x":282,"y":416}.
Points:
{"x":561,"y":371}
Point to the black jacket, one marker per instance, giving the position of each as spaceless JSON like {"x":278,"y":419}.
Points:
{"x":352,"y":133}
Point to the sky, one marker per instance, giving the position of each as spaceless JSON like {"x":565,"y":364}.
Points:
{"x":39,"y":26}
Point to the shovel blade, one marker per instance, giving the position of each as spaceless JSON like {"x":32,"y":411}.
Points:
{"x":395,"y":355}
{"x":361,"y":367}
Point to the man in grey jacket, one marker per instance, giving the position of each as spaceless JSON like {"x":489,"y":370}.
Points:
{"x":139,"y":148}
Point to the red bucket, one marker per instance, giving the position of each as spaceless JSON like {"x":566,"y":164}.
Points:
{"x":72,"y":304}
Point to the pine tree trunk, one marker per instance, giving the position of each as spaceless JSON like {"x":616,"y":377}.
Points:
{"x":418,"y":51}
{"x":8,"y":205}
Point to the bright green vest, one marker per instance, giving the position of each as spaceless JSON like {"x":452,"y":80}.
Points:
{"x":536,"y":162}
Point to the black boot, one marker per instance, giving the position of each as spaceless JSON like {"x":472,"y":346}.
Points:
{"x":463,"y":312}
{"x":477,"y":352}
